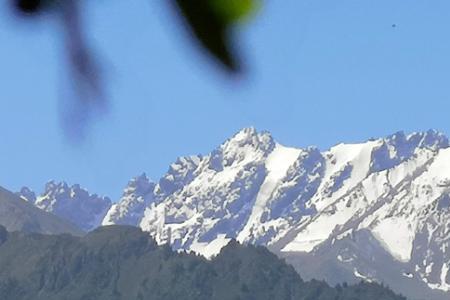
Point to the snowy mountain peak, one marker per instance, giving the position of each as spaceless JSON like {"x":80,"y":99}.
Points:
{"x":245,"y":134}
{"x":179,"y":174}
{"x":431,"y":139}
{"x":27,"y":194}
{"x":256,"y":190}
{"x":400,"y":147}
{"x":249,"y":136}
{"x":246,"y":146}
{"x":137,"y":195}
{"x":139,"y":185}
{"x":56,"y":187}
{"x":434,"y":140}
{"x":297,"y":200}
{"x":74,"y":204}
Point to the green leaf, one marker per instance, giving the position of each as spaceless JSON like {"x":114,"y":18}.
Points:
{"x":234,"y":10}
{"x":212,"y":22}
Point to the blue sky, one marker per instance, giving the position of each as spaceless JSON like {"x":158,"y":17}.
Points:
{"x":320,"y":72}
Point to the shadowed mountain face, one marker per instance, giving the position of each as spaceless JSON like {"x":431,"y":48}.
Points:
{"x":359,"y":256}
{"x":17,"y":214}
{"x":122,"y":262}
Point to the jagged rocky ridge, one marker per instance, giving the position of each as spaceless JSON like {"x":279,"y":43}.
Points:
{"x":299,"y":201}
{"x":72,"y":203}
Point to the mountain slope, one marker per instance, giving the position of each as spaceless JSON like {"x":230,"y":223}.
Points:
{"x":357,"y":257}
{"x":121,"y":262}
{"x":17,"y":214}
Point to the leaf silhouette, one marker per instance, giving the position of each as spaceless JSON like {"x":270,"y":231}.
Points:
{"x":211,"y":22}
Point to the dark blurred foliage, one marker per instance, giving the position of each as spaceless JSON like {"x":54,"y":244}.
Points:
{"x":124,"y":263}
{"x":210,"y":22}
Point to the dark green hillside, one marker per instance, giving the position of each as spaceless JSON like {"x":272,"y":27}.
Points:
{"x":17,"y":214}
{"x":121,"y":262}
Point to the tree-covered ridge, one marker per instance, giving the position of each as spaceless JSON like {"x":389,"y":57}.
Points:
{"x":121,"y":262}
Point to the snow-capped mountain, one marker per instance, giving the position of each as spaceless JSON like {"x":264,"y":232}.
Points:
{"x":294,"y":200}
{"x":129,"y":210}
{"x":27,"y":195}
{"x":71,"y":203}
{"x":355,"y":206}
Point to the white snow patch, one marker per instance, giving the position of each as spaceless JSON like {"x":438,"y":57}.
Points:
{"x":321,"y":228}
{"x":356,"y":155}
{"x":108,"y":219}
{"x":443,"y":285}
{"x":407,"y":274}
{"x":396,"y":236}
{"x":359,"y":275}
{"x":407,"y":168}
{"x":277,"y":165}
{"x":209,"y":250}
{"x":345,"y":234}
{"x":344,"y":260}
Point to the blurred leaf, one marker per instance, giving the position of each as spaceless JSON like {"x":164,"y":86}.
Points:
{"x":234,"y":10}
{"x":211,"y":22}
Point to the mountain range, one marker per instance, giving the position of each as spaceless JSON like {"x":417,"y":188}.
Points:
{"x":377,"y":210}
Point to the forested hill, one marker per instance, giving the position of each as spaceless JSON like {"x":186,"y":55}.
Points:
{"x":122,"y":262}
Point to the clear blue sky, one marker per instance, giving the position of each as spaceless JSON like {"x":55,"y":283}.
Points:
{"x":320,"y":72}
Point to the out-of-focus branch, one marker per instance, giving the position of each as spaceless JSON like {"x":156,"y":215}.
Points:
{"x":211,"y":23}
{"x":82,"y":62}
{"x":88,"y":91}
